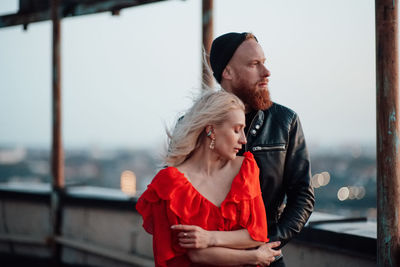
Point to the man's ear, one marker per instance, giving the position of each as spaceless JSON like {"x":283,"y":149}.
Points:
{"x":227,"y":73}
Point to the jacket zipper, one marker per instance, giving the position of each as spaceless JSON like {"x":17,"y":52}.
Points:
{"x":268,"y":148}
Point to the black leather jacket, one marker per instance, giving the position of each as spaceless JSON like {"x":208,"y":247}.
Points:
{"x":276,"y":139}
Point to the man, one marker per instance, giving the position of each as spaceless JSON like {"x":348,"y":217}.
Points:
{"x":274,"y":135}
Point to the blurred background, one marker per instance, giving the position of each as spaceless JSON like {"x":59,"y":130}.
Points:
{"x":127,"y":77}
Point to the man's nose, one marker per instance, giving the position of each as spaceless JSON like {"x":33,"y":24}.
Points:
{"x":266,"y":72}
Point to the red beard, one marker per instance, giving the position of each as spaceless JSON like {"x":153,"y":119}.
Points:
{"x":253,"y":98}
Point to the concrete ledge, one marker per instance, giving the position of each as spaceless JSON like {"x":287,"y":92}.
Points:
{"x":106,"y":252}
{"x":101,"y":227}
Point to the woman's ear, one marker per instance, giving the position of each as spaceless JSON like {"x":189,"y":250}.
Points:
{"x":209,"y":130}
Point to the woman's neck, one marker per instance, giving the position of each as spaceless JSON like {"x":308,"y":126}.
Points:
{"x":205,"y":161}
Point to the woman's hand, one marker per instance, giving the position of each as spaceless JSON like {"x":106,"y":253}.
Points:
{"x":192,"y":236}
{"x":266,"y":254}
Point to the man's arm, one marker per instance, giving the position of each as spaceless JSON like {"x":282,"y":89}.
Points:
{"x":297,"y":183}
{"x":192,"y":236}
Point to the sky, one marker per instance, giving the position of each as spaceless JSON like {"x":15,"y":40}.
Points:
{"x":125,"y":78}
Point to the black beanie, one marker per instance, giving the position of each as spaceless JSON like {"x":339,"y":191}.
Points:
{"x":222,"y":50}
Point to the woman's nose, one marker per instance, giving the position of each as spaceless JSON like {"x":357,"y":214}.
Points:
{"x":243,"y":140}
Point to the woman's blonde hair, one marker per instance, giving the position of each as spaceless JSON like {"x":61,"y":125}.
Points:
{"x":212,"y":108}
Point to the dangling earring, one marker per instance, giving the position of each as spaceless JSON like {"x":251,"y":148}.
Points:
{"x":212,"y":144}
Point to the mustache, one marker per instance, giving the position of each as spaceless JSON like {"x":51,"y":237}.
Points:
{"x":264,"y":80}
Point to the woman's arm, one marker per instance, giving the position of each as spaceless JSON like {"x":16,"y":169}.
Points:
{"x":192,"y":236}
{"x":263,"y":256}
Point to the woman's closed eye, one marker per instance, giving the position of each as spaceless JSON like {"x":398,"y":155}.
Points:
{"x":238,"y":129}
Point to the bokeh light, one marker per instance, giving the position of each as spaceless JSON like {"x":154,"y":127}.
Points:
{"x":343,"y":193}
{"x":128,"y":182}
{"x":351,"y":193}
{"x":320,"y":179}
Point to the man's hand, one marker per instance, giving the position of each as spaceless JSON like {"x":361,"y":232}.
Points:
{"x":192,"y":236}
{"x":266,"y":253}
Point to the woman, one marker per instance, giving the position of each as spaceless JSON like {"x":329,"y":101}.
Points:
{"x":206,"y":186}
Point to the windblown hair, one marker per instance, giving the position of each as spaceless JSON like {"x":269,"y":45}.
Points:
{"x":212,"y":108}
{"x":207,"y":81}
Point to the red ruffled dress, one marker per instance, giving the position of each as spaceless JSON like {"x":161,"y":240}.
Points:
{"x":171,"y":199}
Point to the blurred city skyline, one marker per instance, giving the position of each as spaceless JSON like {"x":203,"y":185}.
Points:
{"x":124,"y":78}
{"x":344,"y":182}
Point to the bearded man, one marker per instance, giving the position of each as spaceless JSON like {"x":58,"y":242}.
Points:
{"x":274,"y":135}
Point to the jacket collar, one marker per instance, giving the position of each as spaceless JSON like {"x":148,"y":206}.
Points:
{"x":256,"y":123}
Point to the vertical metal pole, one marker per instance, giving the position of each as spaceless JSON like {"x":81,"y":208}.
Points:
{"x":207,"y":32}
{"x":57,"y":147}
{"x":388,"y":142}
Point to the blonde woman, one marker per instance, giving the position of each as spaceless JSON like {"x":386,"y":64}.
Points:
{"x":206,"y":207}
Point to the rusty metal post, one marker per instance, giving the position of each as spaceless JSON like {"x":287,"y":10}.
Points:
{"x":207,"y":32}
{"x":388,"y":142}
{"x":57,"y":147}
